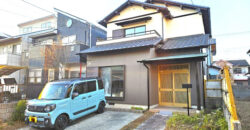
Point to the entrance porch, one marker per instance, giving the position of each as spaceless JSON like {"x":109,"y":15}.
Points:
{"x":167,"y":74}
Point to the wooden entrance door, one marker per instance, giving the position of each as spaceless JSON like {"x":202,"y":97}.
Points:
{"x":171,"y":78}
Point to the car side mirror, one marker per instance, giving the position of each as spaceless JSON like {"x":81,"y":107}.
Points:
{"x":75,"y":94}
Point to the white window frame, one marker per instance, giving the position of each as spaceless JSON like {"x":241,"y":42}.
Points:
{"x":35,"y":75}
{"x":69,"y":40}
{"x":51,"y":77}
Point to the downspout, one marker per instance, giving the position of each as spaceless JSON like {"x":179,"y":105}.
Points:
{"x":162,"y":26}
{"x":198,"y":87}
{"x":80,"y":70}
{"x":204,"y":92}
{"x":204,"y":100}
{"x":147,"y":85}
{"x":90,"y":35}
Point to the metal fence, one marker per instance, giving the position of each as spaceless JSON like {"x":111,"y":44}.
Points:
{"x":242,"y":92}
{"x":213,"y":94}
{"x":33,"y":90}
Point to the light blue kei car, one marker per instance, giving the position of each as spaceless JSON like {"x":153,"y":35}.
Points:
{"x":65,"y":100}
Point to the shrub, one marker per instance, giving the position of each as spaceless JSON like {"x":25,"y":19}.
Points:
{"x":18,"y":114}
{"x":201,"y":121}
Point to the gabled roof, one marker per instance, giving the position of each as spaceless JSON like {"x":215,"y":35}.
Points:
{"x":146,"y":42}
{"x":204,"y":10}
{"x":191,"y":41}
{"x":162,"y":9}
{"x":239,"y":62}
{"x":79,"y":19}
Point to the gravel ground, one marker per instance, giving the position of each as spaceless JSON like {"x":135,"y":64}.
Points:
{"x":243,"y":109}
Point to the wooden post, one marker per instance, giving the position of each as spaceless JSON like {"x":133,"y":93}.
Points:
{"x":198,"y":87}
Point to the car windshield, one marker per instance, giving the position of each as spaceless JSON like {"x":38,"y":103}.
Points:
{"x":55,"y":91}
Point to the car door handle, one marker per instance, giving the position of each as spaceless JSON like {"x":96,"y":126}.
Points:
{"x":89,"y":96}
{"x":84,"y":98}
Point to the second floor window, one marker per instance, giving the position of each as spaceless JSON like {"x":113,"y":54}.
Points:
{"x":135,"y":31}
{"x":237,"y":70}
{"x":46,"y":25}
{"x":27,"y":29}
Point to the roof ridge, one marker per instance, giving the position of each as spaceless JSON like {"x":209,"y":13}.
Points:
{"x":186,"y":36}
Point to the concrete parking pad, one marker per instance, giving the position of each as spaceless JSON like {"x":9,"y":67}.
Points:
{"x":156,"y":122}
{"x":109,"y":120}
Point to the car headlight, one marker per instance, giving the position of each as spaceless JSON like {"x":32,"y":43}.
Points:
{"x":49,"y":108}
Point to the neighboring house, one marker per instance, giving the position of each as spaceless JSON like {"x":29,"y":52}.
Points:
{"x":214,"y":72}
{"x":240,"y":71}
{"x":3,"y":35}
{"x":50,"y":46}
{"x":10,"y":57}
{"x":152,"y":49}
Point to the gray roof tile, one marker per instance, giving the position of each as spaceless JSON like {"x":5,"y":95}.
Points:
{"x":191,"y":41}
{"x":146,"y":42}
{"x":239,"y":62}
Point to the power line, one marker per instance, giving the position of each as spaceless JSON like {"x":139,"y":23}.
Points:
{"x":14,"y":13}
{"x":231,"y":33}
{"x":192,"y":2}
{"x":37,"y":7}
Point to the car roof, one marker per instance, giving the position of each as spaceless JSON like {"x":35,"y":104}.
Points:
{"x":69,"y":81}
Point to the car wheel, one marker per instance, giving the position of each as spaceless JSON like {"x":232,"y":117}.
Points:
{"x":101,"y":107}
{"x":61,"y":122}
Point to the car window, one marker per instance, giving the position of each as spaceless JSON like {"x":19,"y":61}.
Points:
{"x":81,"y":88}
{"x":78,"y":88}
{"x":100,"y":84}
{"x":68,"y":91}
{"x":91,"y":86}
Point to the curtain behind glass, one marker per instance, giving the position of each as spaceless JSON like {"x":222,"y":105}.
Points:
{"x":106,"y":78}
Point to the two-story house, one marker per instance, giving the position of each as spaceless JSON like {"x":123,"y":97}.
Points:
{"x":50,"y":47}
{"x":10,"y":57}
{"x":3,"y":35}
{"x":152,"y":49}
{"x":240,"y":70}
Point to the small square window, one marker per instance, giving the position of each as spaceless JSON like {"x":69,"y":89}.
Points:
{"x":38,"y":73}
{"x":31,"y":74}
{"x":72,"y":48}
{"x":31,"y":80}
{"x":38,"y":80}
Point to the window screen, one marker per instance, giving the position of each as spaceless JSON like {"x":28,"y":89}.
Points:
{"x":91,"y":86}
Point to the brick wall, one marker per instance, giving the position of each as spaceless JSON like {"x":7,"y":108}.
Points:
{"x":6,"y":109}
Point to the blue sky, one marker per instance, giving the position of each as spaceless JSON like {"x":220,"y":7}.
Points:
{"x":230,"y":19}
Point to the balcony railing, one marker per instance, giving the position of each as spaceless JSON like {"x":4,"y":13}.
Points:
{"x":134,"y":36}
{"x":10,"y":59}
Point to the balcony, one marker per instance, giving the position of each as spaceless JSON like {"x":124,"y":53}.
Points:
{"x":131,"y":37}
{"x":10,"y":59}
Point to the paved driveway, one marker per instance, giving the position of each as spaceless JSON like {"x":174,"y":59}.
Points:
{"x":109,"y":120}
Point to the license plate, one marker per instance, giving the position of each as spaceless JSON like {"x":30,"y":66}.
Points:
{"x":33,"y":119}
